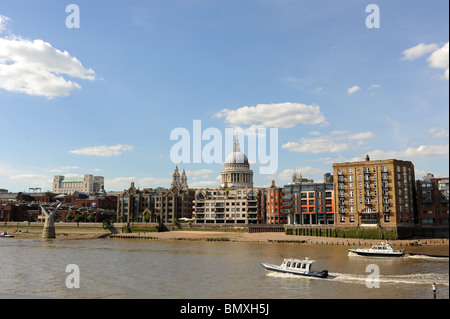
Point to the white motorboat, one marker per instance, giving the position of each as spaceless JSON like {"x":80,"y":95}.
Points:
{"x":381,"y":250}
{"x":300,"y":267}
{"x":5,"y":234}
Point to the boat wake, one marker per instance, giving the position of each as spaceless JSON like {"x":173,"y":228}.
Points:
{"x":412,"y":279}
{"x":437,"y":258}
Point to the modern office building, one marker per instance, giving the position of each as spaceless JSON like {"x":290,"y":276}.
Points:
{"x":432,"y":201}
{"x":307,"y":203}
{"x":376,"y":193}
{"x":87,"y":184}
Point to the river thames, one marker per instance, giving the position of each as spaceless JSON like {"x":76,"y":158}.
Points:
{"x":153,"y":269}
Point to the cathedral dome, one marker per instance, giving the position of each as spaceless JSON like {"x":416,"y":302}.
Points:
{"x":236,"y":173}
{"x":236,"y":158}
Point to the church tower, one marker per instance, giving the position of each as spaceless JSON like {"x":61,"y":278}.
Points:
{"x":179,"y":180}
{"x":184,"y":184}
{"x":176,"y":177}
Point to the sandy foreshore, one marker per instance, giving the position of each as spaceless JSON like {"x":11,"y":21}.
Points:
{"x":273,"y":238}
{"x":244,"y":237}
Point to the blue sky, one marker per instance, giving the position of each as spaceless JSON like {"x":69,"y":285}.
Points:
{"x":104,"y":98}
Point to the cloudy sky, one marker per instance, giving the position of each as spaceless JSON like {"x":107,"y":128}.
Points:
{"x":104,"y":96}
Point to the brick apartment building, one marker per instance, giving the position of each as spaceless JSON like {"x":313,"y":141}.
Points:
{"x":374,"y":193}
{"x":433,"y":201}
{"x":274,"y":205}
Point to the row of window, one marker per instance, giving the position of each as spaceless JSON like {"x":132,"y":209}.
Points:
{"x":226,"y":215}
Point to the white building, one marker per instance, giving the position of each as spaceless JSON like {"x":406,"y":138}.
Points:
{"x":88,"y":184}
{"x":236,"y":201}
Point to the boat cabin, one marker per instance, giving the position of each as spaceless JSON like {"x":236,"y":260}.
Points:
{"x":382,"y":246}
{"x":303,"y":265}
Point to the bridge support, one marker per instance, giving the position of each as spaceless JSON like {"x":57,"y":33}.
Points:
{"x":49,"y":225}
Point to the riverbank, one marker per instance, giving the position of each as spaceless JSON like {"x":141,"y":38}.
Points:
{"x":272,"y":238}
{"x":98,"y":230}
{"x":237,"y":237}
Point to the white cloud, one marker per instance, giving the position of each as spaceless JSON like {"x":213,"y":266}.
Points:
{"x":118,"y":183}
{"x":315,"y":145}
{"x":280,"y":115}
{"x":306,"y":172}
{"x":336,"y":142}
{"x":440,"y":59}
{"x":3,"y":21}
{"x":411,"y":152}
{"x":203,"y":173}
{"x":318,"y":89}
{"x":35,"y":67}
{"x":60,"y":169}
{"x":42,"y":181}
{"x":353,"y":89}
{"x":418,"y":51}
{"x":103,"y":150}
{"x":361,"y":136}
{"x":374,"y":86}
{"x":152,"y":182}
{"x":438,"y":132}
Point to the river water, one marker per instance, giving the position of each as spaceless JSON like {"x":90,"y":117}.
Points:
{"x":116,"y":268}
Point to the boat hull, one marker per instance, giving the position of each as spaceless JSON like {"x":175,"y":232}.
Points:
{"x":322,"y":274}
{"x":376,"y":254}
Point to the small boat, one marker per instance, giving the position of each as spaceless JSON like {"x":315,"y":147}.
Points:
{"x":381,"y":250}
{"x":300,"y":267}
{"x":5,"y":234}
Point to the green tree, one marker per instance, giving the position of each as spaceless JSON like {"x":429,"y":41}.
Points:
{"x":79,"y":218}
{"x":69,"y":216}
{"x":91,"y":217}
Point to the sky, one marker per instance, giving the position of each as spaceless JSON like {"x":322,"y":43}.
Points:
{"x":99,"y":87}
